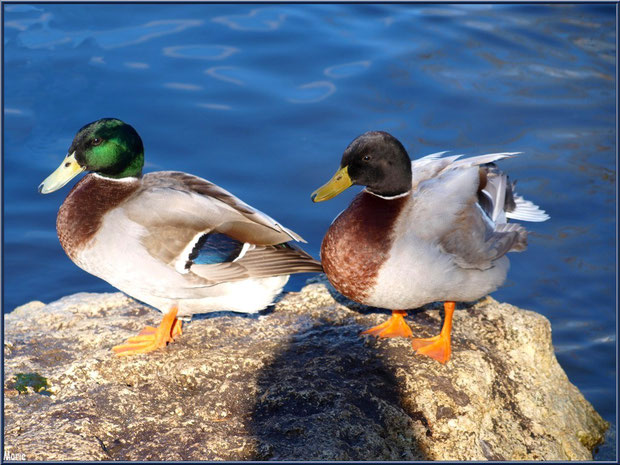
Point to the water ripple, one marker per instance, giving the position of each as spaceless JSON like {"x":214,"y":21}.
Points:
{"x":20,"y":8}
{"x":222,"y":73}
{"x":135,"y":35}
{"x":347,"y":69}
{"x":49,"y":37}
{"x":442,"y":12}
{"x":313,"y":92}
{"x":137,"y":65}
{"x":24,"y":24}
{"x":593,"y":45}
{"x":255,"y":20}
{"x":13,"y":111}
{"x":584,"y":346}
{"x":200,"y":52}
{"x":564,"y":73}
{"x":480,"y":25}
{"x":214,"y":106}
{"x":182,"y":86}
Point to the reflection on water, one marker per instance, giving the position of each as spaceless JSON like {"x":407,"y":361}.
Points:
{"x":263,"y":100}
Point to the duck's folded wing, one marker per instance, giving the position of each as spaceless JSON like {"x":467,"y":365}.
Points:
{"x":259,"y":262}
{"x":176,"y":209}
{"x":206,"y":189}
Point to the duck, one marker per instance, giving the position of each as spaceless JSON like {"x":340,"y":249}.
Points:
{"x":434,"y":229}
{"x":170,"y":239}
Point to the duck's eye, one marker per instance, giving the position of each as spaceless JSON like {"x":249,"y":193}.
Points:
{"x":96,"y":141}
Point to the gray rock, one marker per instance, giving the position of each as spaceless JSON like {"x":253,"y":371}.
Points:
{"x":296,"y":382}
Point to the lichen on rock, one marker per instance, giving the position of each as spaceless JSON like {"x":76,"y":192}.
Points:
{"x":295,"y":382}
{"x":25,"y":383}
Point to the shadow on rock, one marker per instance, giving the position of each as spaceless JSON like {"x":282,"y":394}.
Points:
{"x":329,"y":397}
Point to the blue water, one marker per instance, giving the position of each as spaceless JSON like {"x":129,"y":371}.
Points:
{"x":263,"y":99}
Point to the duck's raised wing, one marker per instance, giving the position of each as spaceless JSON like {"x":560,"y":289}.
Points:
{"x":463,"y":206}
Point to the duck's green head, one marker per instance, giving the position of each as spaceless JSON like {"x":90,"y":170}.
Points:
{"x":376,"y":160}
{"x":107,"y":147}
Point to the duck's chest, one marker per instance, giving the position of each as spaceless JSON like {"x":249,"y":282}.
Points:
{"x":359,"y":242}
{"x":81,"y":214}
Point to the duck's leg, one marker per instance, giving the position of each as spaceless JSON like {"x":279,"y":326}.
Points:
{"x":150,"y":338}
{"x":393,"y":327}
{"x":438,"y":347}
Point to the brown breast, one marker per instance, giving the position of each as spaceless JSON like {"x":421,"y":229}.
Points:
{"x":81,"y":213}
{"x":358,"y":243}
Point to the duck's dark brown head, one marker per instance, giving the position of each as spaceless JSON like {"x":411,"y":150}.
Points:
{"x":377,"y":160}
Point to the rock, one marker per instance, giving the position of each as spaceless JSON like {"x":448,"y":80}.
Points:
{"x":295,"y":382}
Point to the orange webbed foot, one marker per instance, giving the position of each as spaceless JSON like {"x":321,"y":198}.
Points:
{"x":395,"y":326}
{"x":150,"y":338}
{"x":438,"y":347}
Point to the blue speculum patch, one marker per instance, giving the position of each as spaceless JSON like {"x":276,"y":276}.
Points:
{"x":215,"y":248}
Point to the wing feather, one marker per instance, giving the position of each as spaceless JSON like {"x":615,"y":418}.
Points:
{"x":260,"y":262}
{"x":174,"y":208}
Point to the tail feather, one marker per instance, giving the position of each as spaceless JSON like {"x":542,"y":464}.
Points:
{"x":525,"y":210}
{"x":499,"y":200}
{"x":496,"y":193}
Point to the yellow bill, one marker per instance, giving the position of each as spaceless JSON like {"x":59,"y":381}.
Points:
{"x":338,"y":183}
{"x":68,"y":169}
